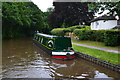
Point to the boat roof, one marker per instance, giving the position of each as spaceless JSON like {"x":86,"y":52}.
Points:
{"x":50,"y":36}
{"x":46,"y":35}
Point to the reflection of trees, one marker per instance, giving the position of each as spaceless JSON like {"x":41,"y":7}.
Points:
{"x":21,"y":55}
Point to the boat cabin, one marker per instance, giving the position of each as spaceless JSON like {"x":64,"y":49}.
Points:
{"x":53,"y":42}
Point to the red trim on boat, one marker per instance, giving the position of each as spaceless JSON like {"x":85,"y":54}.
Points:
{"x":63,"y":57}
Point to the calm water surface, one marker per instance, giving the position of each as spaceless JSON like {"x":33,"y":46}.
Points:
{"x":22,"y":59}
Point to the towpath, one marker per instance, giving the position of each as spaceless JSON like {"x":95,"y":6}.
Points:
{"x":103,"y":49}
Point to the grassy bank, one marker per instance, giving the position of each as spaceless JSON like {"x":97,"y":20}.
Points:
{"x":96,"y":44}
{"x":108,"y":56}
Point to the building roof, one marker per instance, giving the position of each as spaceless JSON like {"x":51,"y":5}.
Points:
{"x":104,"y":17}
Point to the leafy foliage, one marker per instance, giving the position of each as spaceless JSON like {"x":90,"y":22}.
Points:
{"x":92,"y":35}
{"x":72,"y":28}
{"x":22,"y":19}
{"x":64,"y":31}
{"x":112,"y":38}
{"x":69,"y":14}
{"x":113,"y":7}
{"x":58,"y":31}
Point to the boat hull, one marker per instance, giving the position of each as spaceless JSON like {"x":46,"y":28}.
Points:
{"x":43,"y":48}
{"x":63,"y":57}
{"x":56,"y":55}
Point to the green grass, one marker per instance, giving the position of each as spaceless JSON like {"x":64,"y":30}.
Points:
{"x":96,"y":44}
{"x":108,"y":56}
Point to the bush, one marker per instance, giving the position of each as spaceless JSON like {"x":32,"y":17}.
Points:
{"x":112,"y":38}
{"x":72,"y":28}
{"x":59,"y":31}
{"x":66,"y":30}
{"x":87,"y":27}
{"x":97,"y":35}
{"x":76,"y":32}
{"x":80,"y":33}
{"x":93,"y":35}
{"x":79,"y":27}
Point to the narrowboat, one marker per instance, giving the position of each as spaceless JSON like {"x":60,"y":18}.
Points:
{"x":57,"y":46}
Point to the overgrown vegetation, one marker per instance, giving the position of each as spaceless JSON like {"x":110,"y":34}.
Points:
{"x":22,"y":19}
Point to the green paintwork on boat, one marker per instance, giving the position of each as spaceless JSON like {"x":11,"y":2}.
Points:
{"x":53,"y":42}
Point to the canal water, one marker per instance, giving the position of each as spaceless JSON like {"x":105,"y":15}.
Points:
{"x":22,"y":59}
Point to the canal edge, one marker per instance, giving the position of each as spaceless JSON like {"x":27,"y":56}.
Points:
{"x":98,"y":61}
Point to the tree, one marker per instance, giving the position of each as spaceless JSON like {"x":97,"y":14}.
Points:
{"x":70,"y":13}
{"x":21,"y":19}
{"x":113,"y":7}
{"x":50,"y":9}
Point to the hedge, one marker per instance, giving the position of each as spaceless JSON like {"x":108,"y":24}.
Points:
{"x":109,"y":37}
{"x":59,"y":31}
{"x":112,"y":38}
{"x":72,"y":28}
{"x":63,"y":31}
{"x":92,"y":35}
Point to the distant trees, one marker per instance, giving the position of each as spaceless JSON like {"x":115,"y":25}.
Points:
{"x":22,"y":19}
{"x":69,"y":14}
{"x":50,"y":9}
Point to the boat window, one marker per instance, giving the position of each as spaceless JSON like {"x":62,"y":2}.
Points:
{"x":39,"y":39}
{"x":36,"y":37}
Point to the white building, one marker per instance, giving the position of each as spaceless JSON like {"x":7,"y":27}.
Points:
{"x":104,"y":22}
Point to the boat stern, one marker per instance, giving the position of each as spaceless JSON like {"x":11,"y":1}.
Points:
{"x":63,"y":55}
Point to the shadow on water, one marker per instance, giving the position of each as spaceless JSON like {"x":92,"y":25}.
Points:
{"x":22,"y":59}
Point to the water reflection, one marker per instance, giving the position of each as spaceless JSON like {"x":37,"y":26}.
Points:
{"x":22,"y":59}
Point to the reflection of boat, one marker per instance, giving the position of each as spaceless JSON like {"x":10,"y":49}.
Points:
{"x":71,"y":69}
{"x":62,"y":62}
{"x":58,"y":47}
